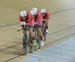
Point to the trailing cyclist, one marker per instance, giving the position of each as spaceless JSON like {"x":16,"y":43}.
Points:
{"x":45,"y":16}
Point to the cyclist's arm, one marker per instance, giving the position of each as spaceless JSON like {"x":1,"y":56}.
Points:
{"x":22,"y":23}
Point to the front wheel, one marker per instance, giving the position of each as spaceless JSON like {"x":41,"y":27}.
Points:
{"x":25,"y":44}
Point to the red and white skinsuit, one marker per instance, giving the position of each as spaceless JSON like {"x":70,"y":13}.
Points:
{"x":38,"y":18}
{"x":29,"y":20}
{"x":46,"y":18}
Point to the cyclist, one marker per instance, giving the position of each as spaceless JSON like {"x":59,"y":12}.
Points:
{"x":38,"y":23}
{"x":45,"y":16}
{"x":26,"y":19}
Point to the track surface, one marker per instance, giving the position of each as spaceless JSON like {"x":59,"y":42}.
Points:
{"x":61,"y":52}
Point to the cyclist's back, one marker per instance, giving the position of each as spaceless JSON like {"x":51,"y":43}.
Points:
{"x":38,"y":18}
{"x":46,"y":17}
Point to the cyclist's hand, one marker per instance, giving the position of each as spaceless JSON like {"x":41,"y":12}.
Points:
{"x":23,"y":23}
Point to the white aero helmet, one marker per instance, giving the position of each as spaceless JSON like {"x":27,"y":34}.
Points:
{"x":23,"y":13}
{"x":35,"y":9}
{"x":43,"y":10}
{"x":33,"y":12}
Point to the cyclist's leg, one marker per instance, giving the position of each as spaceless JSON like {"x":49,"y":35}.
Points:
{"x":43,"y":29}
{"x":35,"y":31}
{"x":31,"y":33}
{"x":32,"y":38}
{"x":46,"y":26}
{"x":40,"y":34}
